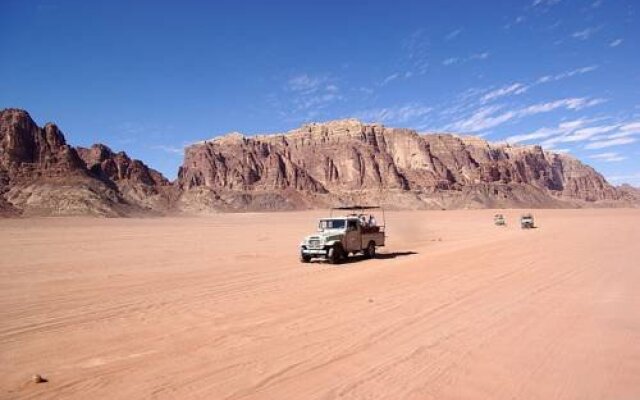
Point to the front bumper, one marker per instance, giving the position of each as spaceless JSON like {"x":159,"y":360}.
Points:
{"x":314,"y":252}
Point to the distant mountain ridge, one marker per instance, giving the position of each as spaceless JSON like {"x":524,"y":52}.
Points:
{"x":347,"y":161}
{"x":316,"y":165}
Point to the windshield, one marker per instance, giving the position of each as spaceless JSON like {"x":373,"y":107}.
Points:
{"x":332,"y":224}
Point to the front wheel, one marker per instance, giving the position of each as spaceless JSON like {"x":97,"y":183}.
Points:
{"x":370,"y":252}
{"x":305,"y":258}
{"x":335,"y":254}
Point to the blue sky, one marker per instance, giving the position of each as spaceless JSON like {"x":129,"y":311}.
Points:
{"x":153,"y":76}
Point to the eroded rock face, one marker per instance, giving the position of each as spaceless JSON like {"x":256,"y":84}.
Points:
{"x":28,"y":151}
{"x":41,"y":175}
{"x":118,"y":167}
{"x":346,"y":161}
{"x":136,"y":183}
{"x":630,"y":193}
{"x":36,"y":164}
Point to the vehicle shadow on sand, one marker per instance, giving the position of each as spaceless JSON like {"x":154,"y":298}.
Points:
{"x":379,"y":256}
{"x":394,"y":254}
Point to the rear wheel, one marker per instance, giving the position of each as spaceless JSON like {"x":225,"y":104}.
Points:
{"x":370,"y":252}
{"x":335,"y":254}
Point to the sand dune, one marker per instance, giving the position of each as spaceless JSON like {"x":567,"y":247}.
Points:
{"x":220,"y":308}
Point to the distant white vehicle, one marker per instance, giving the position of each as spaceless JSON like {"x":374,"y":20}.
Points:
{"x":526,"y":221}
{"x":338,"y":237}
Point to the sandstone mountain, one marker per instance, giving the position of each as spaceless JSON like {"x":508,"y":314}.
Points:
{"x":40,"y":174}
{"x":135,"y":182}
{"x":317,"y":165}
{"x":630,"y":192}
{"x":346,"y":161}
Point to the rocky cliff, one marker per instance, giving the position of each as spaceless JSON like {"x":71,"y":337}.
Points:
{"x":347,"y":161}
{"x":40,"y":174}
{"x":630,"y":193}
{"x":28,"y":151}
{"x":134,"y":181}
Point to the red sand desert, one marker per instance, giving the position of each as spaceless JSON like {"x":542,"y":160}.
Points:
{"x":220,"y":308}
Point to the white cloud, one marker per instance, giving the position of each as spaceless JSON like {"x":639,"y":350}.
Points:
{"x":516,"y":88}
{"x":587,"y":133}
{"x":305,"y":96}
{"x":389,"y":79}
{"x":395,"y":76}
{"x":563,"y":128}
{"x":331,"y":88}
{"x":575,"y":103}
{"x":615,"y":43}
{"x":633,"y":127}
{"x":609,"y":143}
{"x":626,"y":130}
{"x":465,"y":102}
{"x":472,"y":57}
{"x":399,"y":114}
{"x":519,"y":19}
{"x":568,"y":74}
{"x":453,"y":34}
{"x":538,"y":134}
{"x":537,"y":3}
{"x":608,"y":157}
{"x":481,"y":119}
{"x":416,"y":48}
{"x":317,"y":100}
{"x":169,"y":149}
{"x":366,"y":90}
{"x":582,"y":130}
{"x":486,"y":117}
{"x":305,"y":83}
{"x":578,"y":71}
{"x":584,"y":34}
{"x":480,"y":56}
{"x":575,"y":124}
{"x":421,"y":66}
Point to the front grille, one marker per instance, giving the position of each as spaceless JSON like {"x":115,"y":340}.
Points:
{"x":314,"y":244}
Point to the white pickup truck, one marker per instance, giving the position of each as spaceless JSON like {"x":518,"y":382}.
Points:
{"x":338,"y":237}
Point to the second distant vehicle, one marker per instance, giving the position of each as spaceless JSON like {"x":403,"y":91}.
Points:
{"x":526,"y":221}
{"x":499,"y":220}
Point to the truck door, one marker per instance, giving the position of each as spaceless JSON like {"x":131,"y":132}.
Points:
{"x":352,"y":237}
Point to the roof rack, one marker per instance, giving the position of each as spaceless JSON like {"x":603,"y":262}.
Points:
{"x":355,"y":208}
{"x":362,"y":208}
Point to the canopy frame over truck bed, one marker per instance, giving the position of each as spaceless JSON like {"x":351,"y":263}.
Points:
{"x":359,"y":209}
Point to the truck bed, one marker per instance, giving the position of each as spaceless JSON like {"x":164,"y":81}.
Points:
{"x":377,"y":237}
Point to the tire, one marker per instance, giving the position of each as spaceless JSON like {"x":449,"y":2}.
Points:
{"x":370,"y":251}
{"x":305,"y":258}
{"x":335,"y":254}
